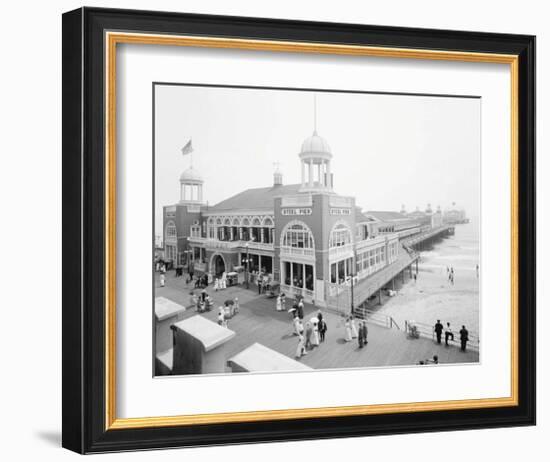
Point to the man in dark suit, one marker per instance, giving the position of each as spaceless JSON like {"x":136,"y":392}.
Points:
{"x":463,"y":338}
{"x":365,"y":331}
{"x":438,"y":329}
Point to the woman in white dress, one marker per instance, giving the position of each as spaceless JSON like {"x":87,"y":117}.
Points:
{"x":354,"y":332}
{"x":216,"y":284}
{"x":315,"y":336}
{"x":279,"y":305}
{"x":300,"y":350}
{"x":348,"y":329}
{"x":296,"y":322}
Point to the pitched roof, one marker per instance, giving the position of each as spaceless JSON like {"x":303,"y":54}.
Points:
{"x":386,"y":216}
{"x":360,"y":217}
{"x":256,"y":198}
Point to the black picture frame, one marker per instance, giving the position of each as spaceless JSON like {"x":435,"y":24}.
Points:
{"x":84,"y":395}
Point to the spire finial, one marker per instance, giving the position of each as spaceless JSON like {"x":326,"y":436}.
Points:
{"x":315,"y":113}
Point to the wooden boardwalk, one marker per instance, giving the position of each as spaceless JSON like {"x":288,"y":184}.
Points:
{"x":258,"y":321}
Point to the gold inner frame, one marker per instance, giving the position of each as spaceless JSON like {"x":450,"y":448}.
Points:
{"x":111,"y":41}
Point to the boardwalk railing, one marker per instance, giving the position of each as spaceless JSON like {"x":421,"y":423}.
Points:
{"x":377,"y":318}
{"x":427,"y":331}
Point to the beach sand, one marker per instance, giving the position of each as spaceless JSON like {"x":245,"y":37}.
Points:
{"x":433,"y":297}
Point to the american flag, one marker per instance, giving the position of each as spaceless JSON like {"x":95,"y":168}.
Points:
{"x":187,"y":149}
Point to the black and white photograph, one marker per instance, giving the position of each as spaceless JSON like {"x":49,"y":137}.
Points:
{"x":310,"y":229}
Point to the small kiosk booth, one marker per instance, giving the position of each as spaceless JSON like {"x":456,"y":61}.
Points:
{"x":200,"y":346}
{"x":167,"y":313}
{"x":259,"y":358}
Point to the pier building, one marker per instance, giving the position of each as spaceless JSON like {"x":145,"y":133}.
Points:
{"x":314,"y":242}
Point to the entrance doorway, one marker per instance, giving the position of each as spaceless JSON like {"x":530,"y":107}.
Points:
{"x":218,"y":265}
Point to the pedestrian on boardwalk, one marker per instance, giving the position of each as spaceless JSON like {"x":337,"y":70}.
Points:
{"x":162,"y":279}
{"x":279,"y":304}
{"x":448,"y":334}
{"x":463,"y":338}
{"x":322,"y":328}
{"x":296,"y":323}
{"x":300,"y":350}
{"x":434,"y":360}
{"x":348,"y":329}
{"x":301,"y":309}
{"x":309,"y":333}
{"x":315,"y":335}
{"x":360,"y":334}
{"x":192,"y":300}
{"x":259,"y":283}
{"x":477,"y":271}
{"x":354,"y":333}
{"x":364,"y":332}
{"x":283,"y":301}
{"x":438,"y":329}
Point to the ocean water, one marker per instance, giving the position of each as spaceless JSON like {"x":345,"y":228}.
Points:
{"x":460,"y":251}
{"x":433,"y":297}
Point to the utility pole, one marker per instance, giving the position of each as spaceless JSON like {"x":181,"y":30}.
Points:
{"x":246,"y":273}
{"x":352,"y":308}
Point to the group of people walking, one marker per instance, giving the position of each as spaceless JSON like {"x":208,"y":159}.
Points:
{"x":357,"y":331}
{"x":312,"y":335}
{"x":449,"y":334}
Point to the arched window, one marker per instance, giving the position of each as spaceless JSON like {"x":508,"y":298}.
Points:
{"x":236,"y":221}
{"x":256,"y":222}
{"x":171,"y":232}
{"x":211,"y":229}
{"x":268,"y":222}
{"x":227,"y":222}
{"x":340,"y":235}
{"x":297,"y":234}
{"x":195,"y":231}
{"x":245,"y":222}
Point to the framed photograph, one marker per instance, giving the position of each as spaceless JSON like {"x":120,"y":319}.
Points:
{"x":280,"y":230}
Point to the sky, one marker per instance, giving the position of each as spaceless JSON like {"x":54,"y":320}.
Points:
{"x":387,"y":150}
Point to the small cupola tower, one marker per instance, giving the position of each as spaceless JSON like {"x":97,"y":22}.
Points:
{"x":315,"y":157}
{"x":191,"y":181}
{"x":429,"y":208}
{"x":191,"y":184}
{"x":277,"y":175}
{"x":403,"y":209}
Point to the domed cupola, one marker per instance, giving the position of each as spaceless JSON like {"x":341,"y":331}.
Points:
{"x":191,"y":176}
{"x":315,"y":145}
{"x":191,"y":183}
{"x":315,"y":157}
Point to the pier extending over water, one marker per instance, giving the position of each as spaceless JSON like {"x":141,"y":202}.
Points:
{"x":343,"y":298}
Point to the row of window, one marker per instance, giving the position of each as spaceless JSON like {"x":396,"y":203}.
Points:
{"x":296,"y":234}
{"x":244,"y":222}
